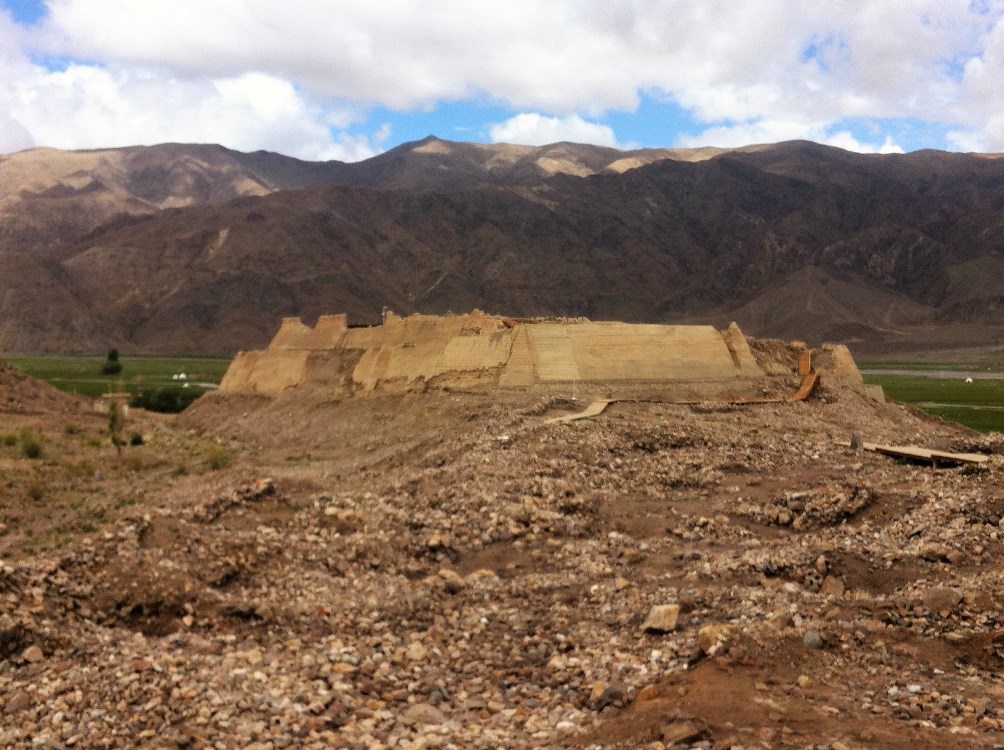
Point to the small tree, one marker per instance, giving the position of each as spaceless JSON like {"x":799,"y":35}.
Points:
{"x":112,"y":366}
{"x":115,"y":423}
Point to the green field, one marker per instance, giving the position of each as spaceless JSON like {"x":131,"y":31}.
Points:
{"x":979,"y":404}
{"x":83,"y":374}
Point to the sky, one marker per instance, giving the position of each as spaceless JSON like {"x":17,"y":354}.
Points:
{"x":348,"y":79}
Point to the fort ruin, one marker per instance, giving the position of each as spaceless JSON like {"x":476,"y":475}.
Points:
{"x":477,"y":350}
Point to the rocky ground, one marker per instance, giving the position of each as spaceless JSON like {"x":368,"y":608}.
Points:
{"x":450,"y":570}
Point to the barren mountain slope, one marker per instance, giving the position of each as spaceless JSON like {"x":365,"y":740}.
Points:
{"x":736,"y":236}
{"x":48,"y":196}
{"x":861,"y":248}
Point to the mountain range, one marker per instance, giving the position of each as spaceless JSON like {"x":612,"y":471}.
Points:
{"x":198,"y":249}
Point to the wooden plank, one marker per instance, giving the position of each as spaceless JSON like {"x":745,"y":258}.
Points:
{"x":809,"y":382}
{"x":920,"y":454}
{"x":594,"y":409}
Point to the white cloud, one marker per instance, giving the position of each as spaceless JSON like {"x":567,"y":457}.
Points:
{"x":773,"y":131}
{"x":13,"y":135}
{"x":534,"y":129}
{"x":845,"y":140}
{"x":560,"y":57}
{"x":86,"y":106}
{"x":786,"y":66}
{"x":982,"y":82}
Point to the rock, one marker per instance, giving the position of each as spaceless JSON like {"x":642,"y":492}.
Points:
{"x":454,"y":581}
{"x":481,"y":574}
{"x":804,"y":680}
{"x":941,"y":599}
{"x":17,"y":702}
{"x":416,"y":652}
{"x":812,"y":640}
{"x":680,"y":731}
{"x":662,"y":618}
{"x":647,"y":693}
{"x":423,"y":713}
{"x":604,"y":695}
{"x":33,"y":654}
{"x":831,"y":586}
{"x":934,"y":552}
{"x":712,"y":638}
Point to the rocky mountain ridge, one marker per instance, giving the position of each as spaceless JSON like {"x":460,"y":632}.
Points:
{"x":204,"y":250}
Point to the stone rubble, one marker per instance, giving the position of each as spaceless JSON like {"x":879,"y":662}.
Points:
{"x":658,"y":576}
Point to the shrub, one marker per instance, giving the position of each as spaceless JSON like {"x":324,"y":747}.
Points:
{"x":35,"y":490}
{"x":79,"y":470}
{"x":9,"y":439}
{"x":219,"y":457}
{"x":70,"y":429}
{"x":136,"y":439}
{"x":170,"y":400}
{"x":31,"y":445}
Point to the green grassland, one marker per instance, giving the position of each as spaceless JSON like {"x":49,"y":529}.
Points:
{"x":83,"y":374}
{"x":979,"y":404}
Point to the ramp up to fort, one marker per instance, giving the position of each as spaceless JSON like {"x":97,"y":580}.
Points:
{"x":477,"y":350}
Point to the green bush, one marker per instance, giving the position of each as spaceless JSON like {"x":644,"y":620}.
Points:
{"x":219,"y":457}
{"x":8,"y":439}
{"x":170,"y":400}
{"x":31,"y":445}
{"x":136,"y":439}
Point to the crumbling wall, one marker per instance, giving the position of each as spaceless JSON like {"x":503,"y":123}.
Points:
{"x":739,"y":349}
{"x":327,"y":334}
{"x":483,"y":350}
{"x":270,"y":371}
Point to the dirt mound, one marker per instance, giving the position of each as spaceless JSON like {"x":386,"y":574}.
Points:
{"x":23,"y":394}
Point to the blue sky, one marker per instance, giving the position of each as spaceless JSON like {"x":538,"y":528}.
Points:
{"x":339,"y":79}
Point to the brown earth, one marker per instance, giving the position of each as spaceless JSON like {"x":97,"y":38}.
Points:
{"x":22,"y":394}
{"x":448,"y":568}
